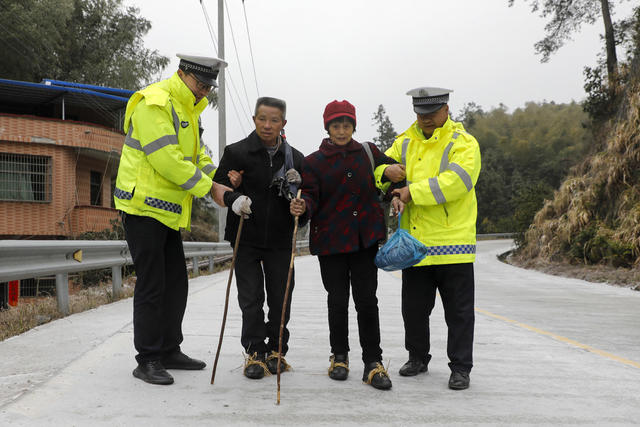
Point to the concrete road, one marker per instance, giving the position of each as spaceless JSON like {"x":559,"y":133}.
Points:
{"x":548,"y":351}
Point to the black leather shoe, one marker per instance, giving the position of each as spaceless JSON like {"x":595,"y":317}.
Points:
{"x":254,"y":367}
{"x":179,"y":360}
{"x":459,"y":381}
{"x":376,"y":375}
{"x":413,"y":367}
{"x":272,"y":363}
{"x":339,"y":368}
{"x":153,"y":372}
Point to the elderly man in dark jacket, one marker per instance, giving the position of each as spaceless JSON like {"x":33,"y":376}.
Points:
{"x":339,"y":194}
{"x":270,"y":170}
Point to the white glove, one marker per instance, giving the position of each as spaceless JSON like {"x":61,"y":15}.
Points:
{"x":293,"y":177}
{"x":242,"y":206}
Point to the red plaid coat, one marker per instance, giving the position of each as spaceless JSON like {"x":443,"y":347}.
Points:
{"x":341,"y":197}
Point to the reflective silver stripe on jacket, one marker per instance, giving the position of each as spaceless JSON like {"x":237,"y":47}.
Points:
{"x":451,"y":250}
{"x":160,"y":143}
{"x":189,"y":158}
{"x":191,"y":182}
{"x":162,"y":204}
{"x":444,"y":162}
{"x":405,"y":146}
{"x":176,"y":119}
{"x":464,"y":176}
{"x":131,"y":142}
{"x":435,"y":190}
{"x":445,"y":165}
{"x":121,"y":194}
{"x":208,"y":168}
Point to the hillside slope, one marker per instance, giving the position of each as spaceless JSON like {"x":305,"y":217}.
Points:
{"x":594,"y":218}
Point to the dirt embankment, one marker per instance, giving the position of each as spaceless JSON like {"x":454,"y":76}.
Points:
{"x":623,"y":277}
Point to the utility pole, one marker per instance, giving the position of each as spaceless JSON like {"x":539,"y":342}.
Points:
{"x":222,"y":113}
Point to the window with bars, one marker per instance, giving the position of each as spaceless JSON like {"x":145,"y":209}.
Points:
{"x":25,"y":178}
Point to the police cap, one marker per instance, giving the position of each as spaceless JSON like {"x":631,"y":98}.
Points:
{"x":204,"y":68}
{"x":429,"y":99}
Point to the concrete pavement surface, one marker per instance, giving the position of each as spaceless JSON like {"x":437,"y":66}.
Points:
{"x":548,"y":351}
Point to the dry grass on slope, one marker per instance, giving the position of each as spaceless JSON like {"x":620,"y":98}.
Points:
{"x":594,"y":218}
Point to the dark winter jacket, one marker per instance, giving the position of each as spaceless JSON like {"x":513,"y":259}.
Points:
{"x":271,"y":224}
{"x":341,"y":197}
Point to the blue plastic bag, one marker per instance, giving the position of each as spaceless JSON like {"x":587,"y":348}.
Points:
{"x":401,"y":251}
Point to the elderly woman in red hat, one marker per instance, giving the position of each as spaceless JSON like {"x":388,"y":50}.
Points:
{"x":339,"y":195}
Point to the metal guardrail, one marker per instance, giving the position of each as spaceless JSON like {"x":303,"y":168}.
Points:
{"x":24,"y":259}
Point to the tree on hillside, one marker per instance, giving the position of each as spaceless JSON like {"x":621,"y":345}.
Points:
{"x":470,"y":114}
{"x":525,"y":155}
{"x":386,"y":133}
{"x":567,"y":16}
{"x":85,"y":41}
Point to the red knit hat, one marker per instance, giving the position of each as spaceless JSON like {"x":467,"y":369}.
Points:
{"x":337,"y":109}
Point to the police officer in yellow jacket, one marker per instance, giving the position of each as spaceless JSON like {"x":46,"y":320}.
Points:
{"x":162,"y":167}
{"x":439,"y":207}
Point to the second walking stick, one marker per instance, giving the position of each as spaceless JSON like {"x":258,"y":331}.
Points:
{"x":286,"y":295}
{"x":226,"y":301}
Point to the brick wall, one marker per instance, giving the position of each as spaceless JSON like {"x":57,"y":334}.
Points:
{"x":60,"y":140}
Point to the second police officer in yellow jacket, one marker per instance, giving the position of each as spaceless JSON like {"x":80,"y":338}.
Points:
{"x":442,"y":165}
{"x":163,"y":166}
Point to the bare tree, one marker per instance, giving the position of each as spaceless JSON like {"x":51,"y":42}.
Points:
{"x":567,"y":16}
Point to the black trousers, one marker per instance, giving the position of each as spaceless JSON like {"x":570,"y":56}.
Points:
{"x":455,"y":283}
{"x":258,"y":269}
{"x":160,"y":294}
{"x":358,"y":270}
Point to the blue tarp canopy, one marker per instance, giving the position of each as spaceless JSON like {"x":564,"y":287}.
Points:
{"x":65,"y":100}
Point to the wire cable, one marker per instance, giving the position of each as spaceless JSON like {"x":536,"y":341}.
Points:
{"x":235,"y":48}
{"x":210,"y":28}
{"x":246,"y":23}
{"x":228,"y":79}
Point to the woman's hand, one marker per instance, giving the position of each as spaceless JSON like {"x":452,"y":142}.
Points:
{"x":395,"y":172}
{"x":403,"y":193}
{"x":297,"y":207}
{"x":397,"y":205}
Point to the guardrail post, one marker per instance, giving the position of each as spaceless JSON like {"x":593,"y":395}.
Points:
{"x":62,"y":292}
{"x":116,"y":280}
{"x":211,"y":264}
{"x":196,"y":268}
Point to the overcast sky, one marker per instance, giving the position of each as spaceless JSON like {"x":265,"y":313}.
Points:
{"x":370,"y":52}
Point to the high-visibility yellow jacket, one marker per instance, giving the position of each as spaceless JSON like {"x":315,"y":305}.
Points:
{"x":442,"y":172}
{"x":163,"y":165}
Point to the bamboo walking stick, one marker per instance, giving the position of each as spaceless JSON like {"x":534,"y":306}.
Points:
{"x":226,"y":301}
{"x":286,"y":295}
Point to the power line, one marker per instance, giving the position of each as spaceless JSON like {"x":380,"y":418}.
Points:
{"x":229,"y":79}
{"x":210,"y":28}
{"x":255,"y":76}
{"x":237,"y":56}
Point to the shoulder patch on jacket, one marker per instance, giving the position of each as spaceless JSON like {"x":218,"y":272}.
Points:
{"x":157,"y":98}
{"x":155,"y":95}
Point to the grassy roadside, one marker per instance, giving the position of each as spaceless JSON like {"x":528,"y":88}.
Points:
{"x":34,"y":311}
